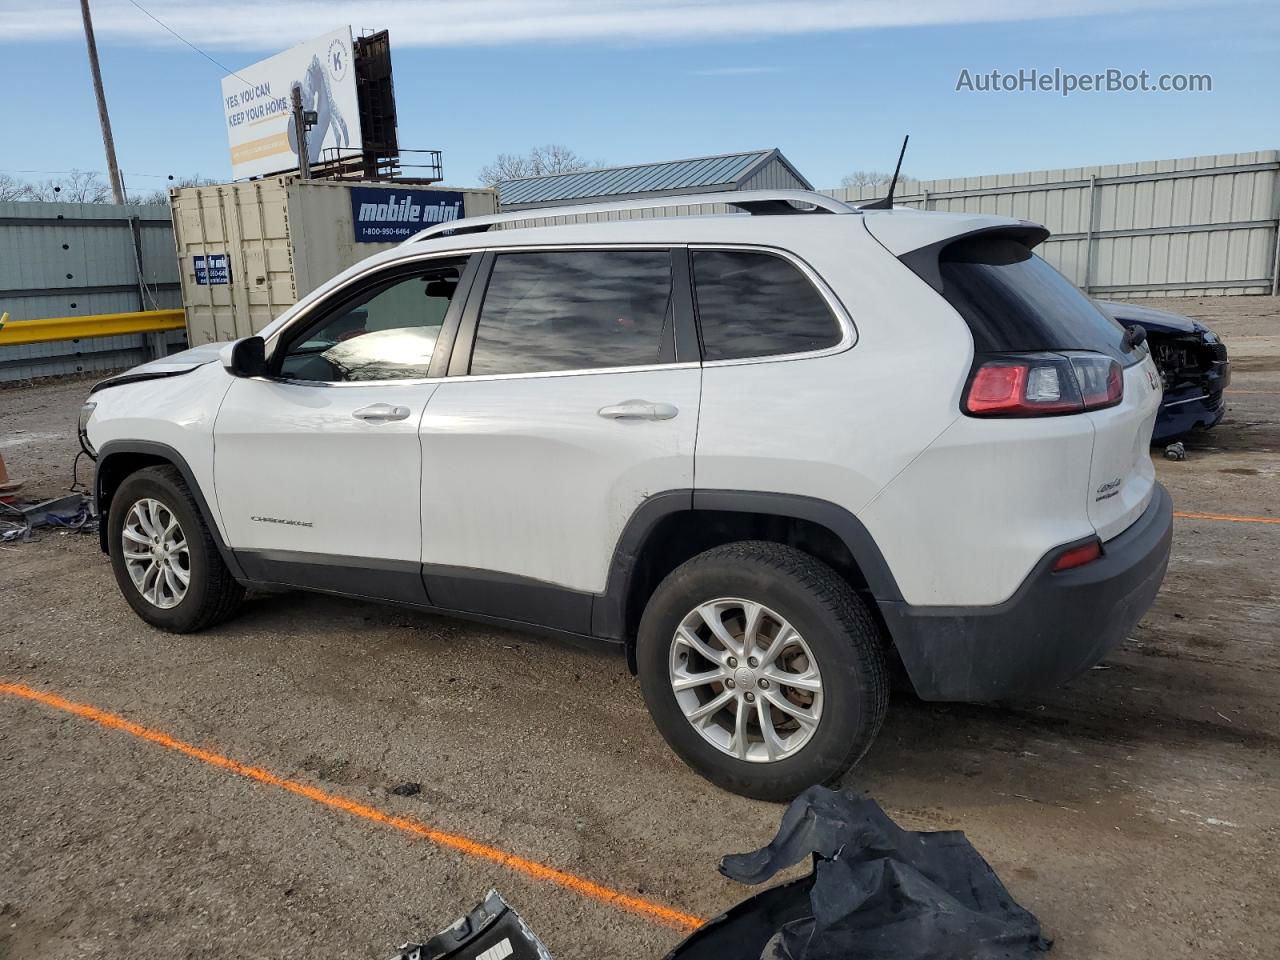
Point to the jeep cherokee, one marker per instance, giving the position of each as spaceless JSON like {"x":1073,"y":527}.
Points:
{"x":766,"y":454}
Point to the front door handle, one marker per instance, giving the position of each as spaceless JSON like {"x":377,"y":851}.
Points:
{"x":381,"y":413}
{"x":638,"y":410}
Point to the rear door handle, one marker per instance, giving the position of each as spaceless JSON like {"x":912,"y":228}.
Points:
{"x":381,"y":413}
{"x":638,"y":410}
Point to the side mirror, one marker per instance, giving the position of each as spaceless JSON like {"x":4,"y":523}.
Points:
{"x":245,"y":358}
{"x":1133,"y":336}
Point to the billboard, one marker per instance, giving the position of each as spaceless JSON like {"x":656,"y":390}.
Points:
{"x":389,"y":216}
{"x":258,"y":108}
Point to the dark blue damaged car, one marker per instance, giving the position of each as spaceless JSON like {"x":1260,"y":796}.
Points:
{"x":1193,"y":364}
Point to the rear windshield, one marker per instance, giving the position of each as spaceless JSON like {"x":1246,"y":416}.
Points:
{"x":1014,"y":301}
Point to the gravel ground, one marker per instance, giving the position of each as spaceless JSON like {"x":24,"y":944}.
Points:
{"x":1136,"y":810}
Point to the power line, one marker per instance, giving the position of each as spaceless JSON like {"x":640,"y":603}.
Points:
{"x":188,"y":42}
{"x":157,"y":176}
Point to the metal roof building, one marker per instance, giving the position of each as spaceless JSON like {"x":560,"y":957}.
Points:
{"x":754,"y":170}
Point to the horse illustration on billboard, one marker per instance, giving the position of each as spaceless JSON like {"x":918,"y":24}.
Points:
{"x":317,"y":95}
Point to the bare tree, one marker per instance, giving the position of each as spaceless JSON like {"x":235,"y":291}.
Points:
{"x":75,"y":186}
{"x":538,"y":162}
{"x":557,"y":158}
{"x":87,"y":186}
{"x":11,"y":188}
{"x":507,"y":166}
{"x":868,"y":178}
{"x":161,"y":194}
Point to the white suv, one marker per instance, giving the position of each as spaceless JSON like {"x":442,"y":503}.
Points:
{"x":769,"y":455}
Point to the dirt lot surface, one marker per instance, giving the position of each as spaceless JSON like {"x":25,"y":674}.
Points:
{"x":1135,"y":811}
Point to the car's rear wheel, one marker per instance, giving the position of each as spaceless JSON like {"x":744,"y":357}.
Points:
{"x":165,"y":560}
{"x":762,"y":669}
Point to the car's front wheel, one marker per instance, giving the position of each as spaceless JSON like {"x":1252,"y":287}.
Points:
{"x":762,"y":669}
{"x":165,"y":560}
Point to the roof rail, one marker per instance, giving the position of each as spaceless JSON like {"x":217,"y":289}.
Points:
{"x":758,"y":202}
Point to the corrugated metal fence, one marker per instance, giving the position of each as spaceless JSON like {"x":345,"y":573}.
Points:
{"x":81,"y":259}
{"x":1194,"y":226}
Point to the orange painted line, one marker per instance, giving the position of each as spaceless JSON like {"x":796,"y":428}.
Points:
{"x":1226,"y":517}
{"x":451,"y":841}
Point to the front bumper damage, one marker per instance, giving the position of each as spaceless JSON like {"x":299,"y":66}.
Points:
{"x":1196,"y":372}
{"x":1187,"y":410}
{"x":1193,"y":364}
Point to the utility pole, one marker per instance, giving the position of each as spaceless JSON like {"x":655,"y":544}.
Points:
{"x":302,"y":121}
{"x":108,"y":144}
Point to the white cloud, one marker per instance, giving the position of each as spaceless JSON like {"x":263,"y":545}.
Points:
{"x":272,"y":25}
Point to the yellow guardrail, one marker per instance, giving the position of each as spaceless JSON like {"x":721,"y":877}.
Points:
{"x":14,"y":332}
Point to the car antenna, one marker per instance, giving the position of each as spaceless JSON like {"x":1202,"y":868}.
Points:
{"x":886,"y":203}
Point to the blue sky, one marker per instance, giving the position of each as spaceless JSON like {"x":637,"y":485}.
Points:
{"x":834,"y":84}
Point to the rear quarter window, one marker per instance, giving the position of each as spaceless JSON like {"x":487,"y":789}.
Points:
{"x":758,"y":305}
{"x":1013,"y":301}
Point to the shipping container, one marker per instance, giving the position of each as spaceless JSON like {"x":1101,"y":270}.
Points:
{"x":247,"y":250}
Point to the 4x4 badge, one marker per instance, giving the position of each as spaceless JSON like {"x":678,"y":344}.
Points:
{"x":1108,"y":490}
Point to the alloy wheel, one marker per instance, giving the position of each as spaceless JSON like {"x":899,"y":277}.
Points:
{"x":746,"y":680}
{"x":155,"y":553}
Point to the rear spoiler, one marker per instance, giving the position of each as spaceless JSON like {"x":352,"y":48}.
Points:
{"x":923,"y":261}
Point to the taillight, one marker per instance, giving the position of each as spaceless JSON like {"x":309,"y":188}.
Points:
{"x":1101,"y":380}
{"x":1078,"y":556}
{"x":1043,"y":384}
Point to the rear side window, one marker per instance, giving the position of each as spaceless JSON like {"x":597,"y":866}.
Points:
{"x":1014,"y":301}
{"x":573,"y":310}
{"x":758,"y":305}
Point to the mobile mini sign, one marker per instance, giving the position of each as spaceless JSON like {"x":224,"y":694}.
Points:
{"x":257,"y":103}
{"x":389,"y":216}
{"x":212,"y":270}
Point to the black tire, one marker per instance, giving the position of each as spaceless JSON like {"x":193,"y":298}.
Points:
{"x":835,"y":624}
{"x":212,"y":595}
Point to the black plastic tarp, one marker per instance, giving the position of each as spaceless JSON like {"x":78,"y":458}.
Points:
{"x":877,"y":892}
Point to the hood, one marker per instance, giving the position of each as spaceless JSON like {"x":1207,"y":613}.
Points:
{"x":182,"y":362}
{"x":1161,"y":321}
{"x":171,"y":366}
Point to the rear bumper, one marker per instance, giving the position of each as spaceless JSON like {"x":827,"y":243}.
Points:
{"x":1055,"y":626}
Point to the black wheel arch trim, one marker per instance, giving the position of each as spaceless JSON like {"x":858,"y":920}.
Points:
{"x":608,"y":615}
{"x":854,"y":534}
{"x":609,"y":610}
{"x":171,"y":456}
